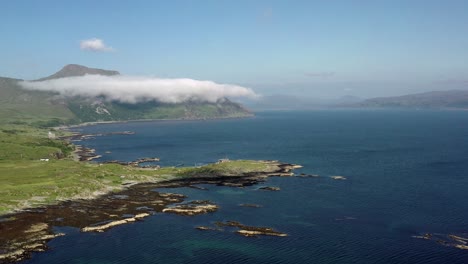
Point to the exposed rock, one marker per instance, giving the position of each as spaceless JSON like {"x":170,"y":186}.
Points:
{"x":289,"y":167}
{"x":232,"y":184}
{"x":251,"y":231}
{"x":461,"y":246}
{"x":35,"y":238}
{"x":449,"y":240}
{"x":427,"y":236}
{"x":459,"y":239}
{"x":85,"y":154}
{"x":192,"y":208}
{"x":342,"y":178}
{"x":270,"y":188}
{"x":255,"y":233}
{"x":203,"y":228}
{"x":29,"y":230}
{"x":37,"y":228}
{"x":102,"y":228}
{"x":206,"y":228}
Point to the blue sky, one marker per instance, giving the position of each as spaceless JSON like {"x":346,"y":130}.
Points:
{"x":318,"y":49}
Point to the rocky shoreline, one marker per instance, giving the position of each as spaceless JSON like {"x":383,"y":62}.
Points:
{"x":21,"y":235}
{"x":29,"y":230}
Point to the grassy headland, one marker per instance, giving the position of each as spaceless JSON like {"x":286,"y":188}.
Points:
{"x":26,"y":181}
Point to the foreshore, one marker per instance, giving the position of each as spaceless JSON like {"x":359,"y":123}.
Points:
{"x":21,"y":234}
{"x":114,"y":193}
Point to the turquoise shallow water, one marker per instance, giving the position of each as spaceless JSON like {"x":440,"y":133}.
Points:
{"x":407,"y":174}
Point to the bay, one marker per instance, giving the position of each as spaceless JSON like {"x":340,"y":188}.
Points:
{"x":407,"y":175}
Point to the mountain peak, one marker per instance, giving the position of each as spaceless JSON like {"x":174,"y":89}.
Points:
{"x":72,"y":70}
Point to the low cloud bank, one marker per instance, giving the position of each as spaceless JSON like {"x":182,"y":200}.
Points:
{"x":127,"y":89}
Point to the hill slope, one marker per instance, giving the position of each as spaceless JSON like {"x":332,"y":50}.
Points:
{"x":22,"y":106}
{"x":18,"y":105}
{"x":436,"y":99}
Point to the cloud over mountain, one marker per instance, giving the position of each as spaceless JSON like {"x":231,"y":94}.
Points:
{"x":131,"y":89}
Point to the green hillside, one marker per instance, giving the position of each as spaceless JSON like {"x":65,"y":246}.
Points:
{"x":22,"y":106}
{"x":91,"y":110}
{"x":44,"y":109}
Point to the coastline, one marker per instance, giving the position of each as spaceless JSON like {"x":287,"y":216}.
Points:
{"x":84,"y":124}
{"x":29,"y":230}
{"x":29,"y":226}
{"x":78,"y":155}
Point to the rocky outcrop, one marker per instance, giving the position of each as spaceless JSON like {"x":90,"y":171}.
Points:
{"x":192,"y":208}
{"x":448,"y":240}
{"x":102,"y":228}
{"x":261,"y":231}
{"x":34,"y":239}
{"x":29,"y":230}
{"x":244,"y":230}
{"x":205,"y":228}
{"x":251,"y":231}
{"x":340,"y":178}
{"x":270,"y":188}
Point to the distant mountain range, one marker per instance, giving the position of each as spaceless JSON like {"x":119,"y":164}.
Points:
{"x":436,"y":99}
{"x":452,"y":99}
{"x":50,"y":109}
{"x":297,"y":102}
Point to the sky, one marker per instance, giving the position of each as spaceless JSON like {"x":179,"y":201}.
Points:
{"x":312,"y":49}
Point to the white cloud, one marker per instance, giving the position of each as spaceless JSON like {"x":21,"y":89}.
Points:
{"x":94,"y":44}
{"x":130,"y":89}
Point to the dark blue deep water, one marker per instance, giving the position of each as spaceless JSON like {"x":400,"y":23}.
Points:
{"x":407,"y":174}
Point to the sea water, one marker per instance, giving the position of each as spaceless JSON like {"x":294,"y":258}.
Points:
{"x":406,"y":175}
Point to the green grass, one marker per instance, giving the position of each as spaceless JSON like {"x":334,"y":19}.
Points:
{"x":231,"y":168}
{"x":20,"y":142}
{"x":25,"y":181}
{"x":26,"y":184}
{"x":29,"y":106}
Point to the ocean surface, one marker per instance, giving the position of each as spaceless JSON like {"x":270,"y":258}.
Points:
{"x":407,"y":175}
